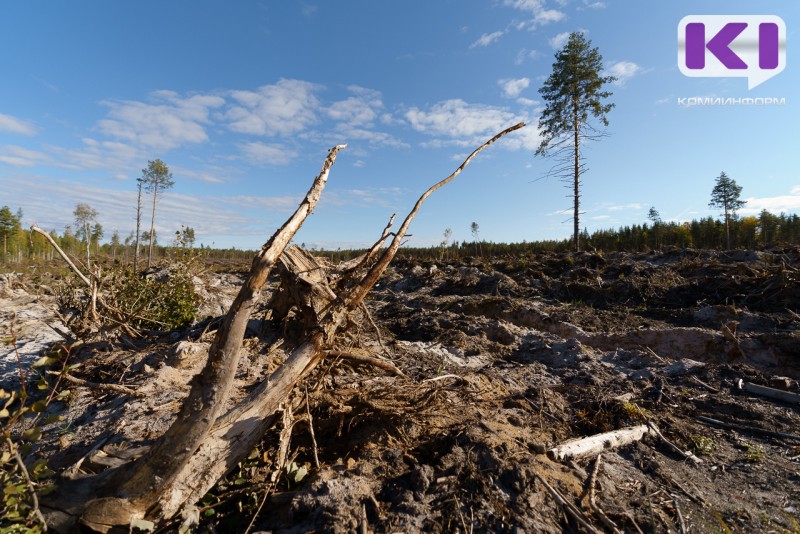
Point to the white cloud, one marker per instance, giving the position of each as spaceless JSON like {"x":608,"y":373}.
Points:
{"x":513,"y":87}
{"x":541,"y":15}
{"x":559,"y":40}
{"x":284,"y":108}
{"x":272,"y":154}
{"x":623,"y":71}
{"x":209,"y":175}
{"x":385,"y":197}
{"x":457,"y":118}
{"x":590,"y":4}
{"x":527,"y":102}
{"x":457,"y":123}
{"x":16,"y":126}
{"x":169,"y":123}
{"x":525,"y":54}
{"x":782,"y":203}
{"x":17,"y":156}
{"x":50,"y":203}
{"x":487,"y":38}
{"x":360,"y":109}
{"x":371,"y":137}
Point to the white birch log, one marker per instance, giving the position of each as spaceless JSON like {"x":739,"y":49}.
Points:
{"x":598,"y":443}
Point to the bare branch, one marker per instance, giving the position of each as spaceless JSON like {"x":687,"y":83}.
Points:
{"x":360,"y":291}
{"x":63,"y":254}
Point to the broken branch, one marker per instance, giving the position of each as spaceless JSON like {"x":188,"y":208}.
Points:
{"x":102,"y":387}
{"x":685,"y":454}
{"x":745,"y":428}
{"x":569,"y":508}
{"x":763,"y":391}
{"x":368,"y":360}
{"x":63,"y":254}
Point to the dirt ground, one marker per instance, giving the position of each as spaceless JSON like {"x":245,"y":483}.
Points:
{"x":502,"y":360}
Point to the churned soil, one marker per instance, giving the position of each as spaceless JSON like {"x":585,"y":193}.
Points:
{"x":501,"y":360}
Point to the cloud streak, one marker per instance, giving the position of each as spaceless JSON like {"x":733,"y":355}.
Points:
{"x":486,"y":39}
{"x":14,"y":125}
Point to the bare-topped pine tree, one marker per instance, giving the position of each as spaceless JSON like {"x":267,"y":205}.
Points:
{"x":574,"y":94}
{"x":156,"y":177}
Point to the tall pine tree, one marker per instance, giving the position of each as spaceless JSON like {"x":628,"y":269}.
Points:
{"x":725,"y":195}
{"x":573,"y":94}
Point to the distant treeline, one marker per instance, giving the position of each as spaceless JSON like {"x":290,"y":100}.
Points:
{"x":767,"y":230}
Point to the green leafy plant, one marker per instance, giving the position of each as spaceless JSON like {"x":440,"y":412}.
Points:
{"x":22,"y":423}
{"x":753,"y":452}
{"x":704,"y":445}
{"x":295,"y":474}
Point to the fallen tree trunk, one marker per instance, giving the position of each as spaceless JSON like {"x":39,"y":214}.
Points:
{"x":598,"y":443}
{"x":202,"y":445}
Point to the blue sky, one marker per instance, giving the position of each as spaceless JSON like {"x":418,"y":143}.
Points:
{"x":243,"y":99}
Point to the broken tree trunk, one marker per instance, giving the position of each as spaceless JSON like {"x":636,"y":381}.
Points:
{"x":202,"y":445}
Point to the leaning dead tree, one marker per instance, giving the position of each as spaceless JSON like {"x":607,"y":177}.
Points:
{"x":204,"y":443}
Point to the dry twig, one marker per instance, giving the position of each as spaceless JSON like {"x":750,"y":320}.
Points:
{"x":681,"y":523}
{"x":570,"y":509}
{"x":311,"y":430}
{"x":116,"y":388}
{"x":280,"y":462}
{"x":595,"y":444}
{"x":593,"y":504}
{"x":709,"y":388}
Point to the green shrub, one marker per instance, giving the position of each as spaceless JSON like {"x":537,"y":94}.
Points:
{"x":161,"y":301}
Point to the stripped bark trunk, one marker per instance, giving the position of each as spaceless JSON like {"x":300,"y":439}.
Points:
{"x":145,"y":481}
{"x":203,"y":445}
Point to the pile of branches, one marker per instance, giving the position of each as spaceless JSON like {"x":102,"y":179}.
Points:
{"x":205,"y":442}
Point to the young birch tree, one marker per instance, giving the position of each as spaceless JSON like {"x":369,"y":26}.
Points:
{"x":85,"y":215}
